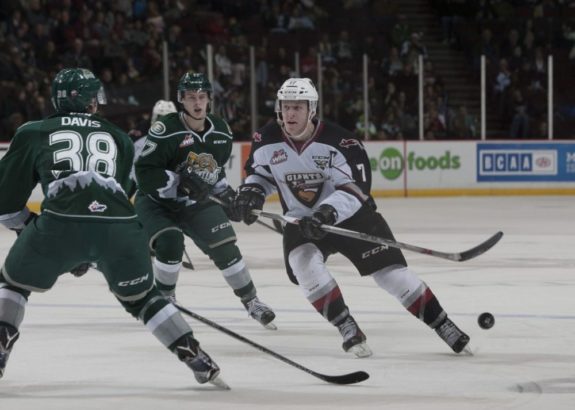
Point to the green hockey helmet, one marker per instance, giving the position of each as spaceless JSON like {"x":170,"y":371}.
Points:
{"x":74,"y":89}
{"x":193,"y":82}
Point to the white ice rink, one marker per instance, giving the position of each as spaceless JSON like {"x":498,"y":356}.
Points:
{"x":79,"y":350}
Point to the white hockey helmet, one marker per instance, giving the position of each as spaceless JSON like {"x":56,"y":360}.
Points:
{"x":161,"y":108}
{"x":298,"y":89}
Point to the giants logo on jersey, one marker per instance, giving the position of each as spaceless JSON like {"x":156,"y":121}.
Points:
{"x":306,"y":187}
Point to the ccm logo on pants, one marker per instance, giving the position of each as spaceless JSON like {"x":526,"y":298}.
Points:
{"x":373,"y":251}
{"x":221,"y":226}
{"x":134,"y":281}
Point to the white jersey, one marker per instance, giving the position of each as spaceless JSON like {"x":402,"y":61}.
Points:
{"x":330,"y":168}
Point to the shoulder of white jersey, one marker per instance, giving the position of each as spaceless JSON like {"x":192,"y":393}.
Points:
{"x":337,"y":136}
{"x":167,"y":126}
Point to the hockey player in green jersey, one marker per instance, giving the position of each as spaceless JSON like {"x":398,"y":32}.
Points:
{"x":82,"y":162}
{"x":181,"y":165}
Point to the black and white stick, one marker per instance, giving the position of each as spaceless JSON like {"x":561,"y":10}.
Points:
{"x":453,"y":256}
{"x":222,"y":203}
{"x":186,"y":264}
{"x":349,"y":378}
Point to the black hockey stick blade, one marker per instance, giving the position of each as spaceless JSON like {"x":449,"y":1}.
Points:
{"x":480,"y":249}
{"x":349,"y":378}
{"x":453,"y":256}
{"x":188,"y":262}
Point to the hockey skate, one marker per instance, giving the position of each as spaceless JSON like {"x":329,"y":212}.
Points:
{"x":8,"y":336}
{"x":204,"y":368}
{"x":261,"y":312}
{"x":454,"y":337}
{"x":353,"y":338}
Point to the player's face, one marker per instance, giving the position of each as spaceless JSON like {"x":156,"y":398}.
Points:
{"x":196,"y":103}
{"x":295,"y":115}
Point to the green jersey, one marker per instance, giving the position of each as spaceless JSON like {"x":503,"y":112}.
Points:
{"x":171,"y":146}
{"x":82,"y":162}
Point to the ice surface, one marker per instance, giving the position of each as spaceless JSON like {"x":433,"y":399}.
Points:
{"x":79,"y":350}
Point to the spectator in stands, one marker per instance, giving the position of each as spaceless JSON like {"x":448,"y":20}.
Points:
{"x":393,"y":65}
{"x":343,"y":47}
{"x":520,"y":120}
{"x":502,"y":83}
{"x":76,"y":57}
{"x":360,"y":129}
{"x":434,"y":123}
{"x":391,"y":127}
{"x":413,"y":44}
{"x":400,"y":32}
{"x":280,"y":17}
{"x":326,"y":49}
{"x":222,"y":61}
{"x":299,"y":20}
{"x":463,"y":124}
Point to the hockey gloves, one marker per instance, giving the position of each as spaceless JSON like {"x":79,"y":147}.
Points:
{"x":250,"y":197}
{"x":309,"y":226}
{"x":227,"y":196}
{"x":193,"y":186}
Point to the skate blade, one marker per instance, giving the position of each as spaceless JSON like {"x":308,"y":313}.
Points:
{"x":270,"y":326}
{"x":361,"y":350}
{"x":220,"y":383}
{"x":468,"y":350}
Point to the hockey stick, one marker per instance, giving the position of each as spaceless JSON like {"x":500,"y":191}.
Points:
{"x":349,"y":378}
{"x":186,"y":264}
{"x":453,"y":256}
{"x":222,"y":203}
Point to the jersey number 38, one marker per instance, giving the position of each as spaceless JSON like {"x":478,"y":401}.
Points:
{"x":100,"y":147}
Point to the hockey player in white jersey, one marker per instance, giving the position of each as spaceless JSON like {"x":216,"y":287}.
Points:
{"x":323,"y":176}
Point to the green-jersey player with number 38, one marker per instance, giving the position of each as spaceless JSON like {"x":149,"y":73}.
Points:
{"x":83,"y":163}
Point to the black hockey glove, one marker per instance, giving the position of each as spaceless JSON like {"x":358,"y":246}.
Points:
{"x":80,"y":270}
{"x":250,"y":197}
{"x":28,"y":220}
{"x":309,"y":226}
{"x":193,"y":186}
{"x":227,"y":196}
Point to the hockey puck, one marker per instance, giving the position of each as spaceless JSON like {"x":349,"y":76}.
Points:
{"x":486,"y":320}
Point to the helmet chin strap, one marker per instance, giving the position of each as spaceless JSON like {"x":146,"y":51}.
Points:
{"x":305,"y":134}
{"x":302,"y":136}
